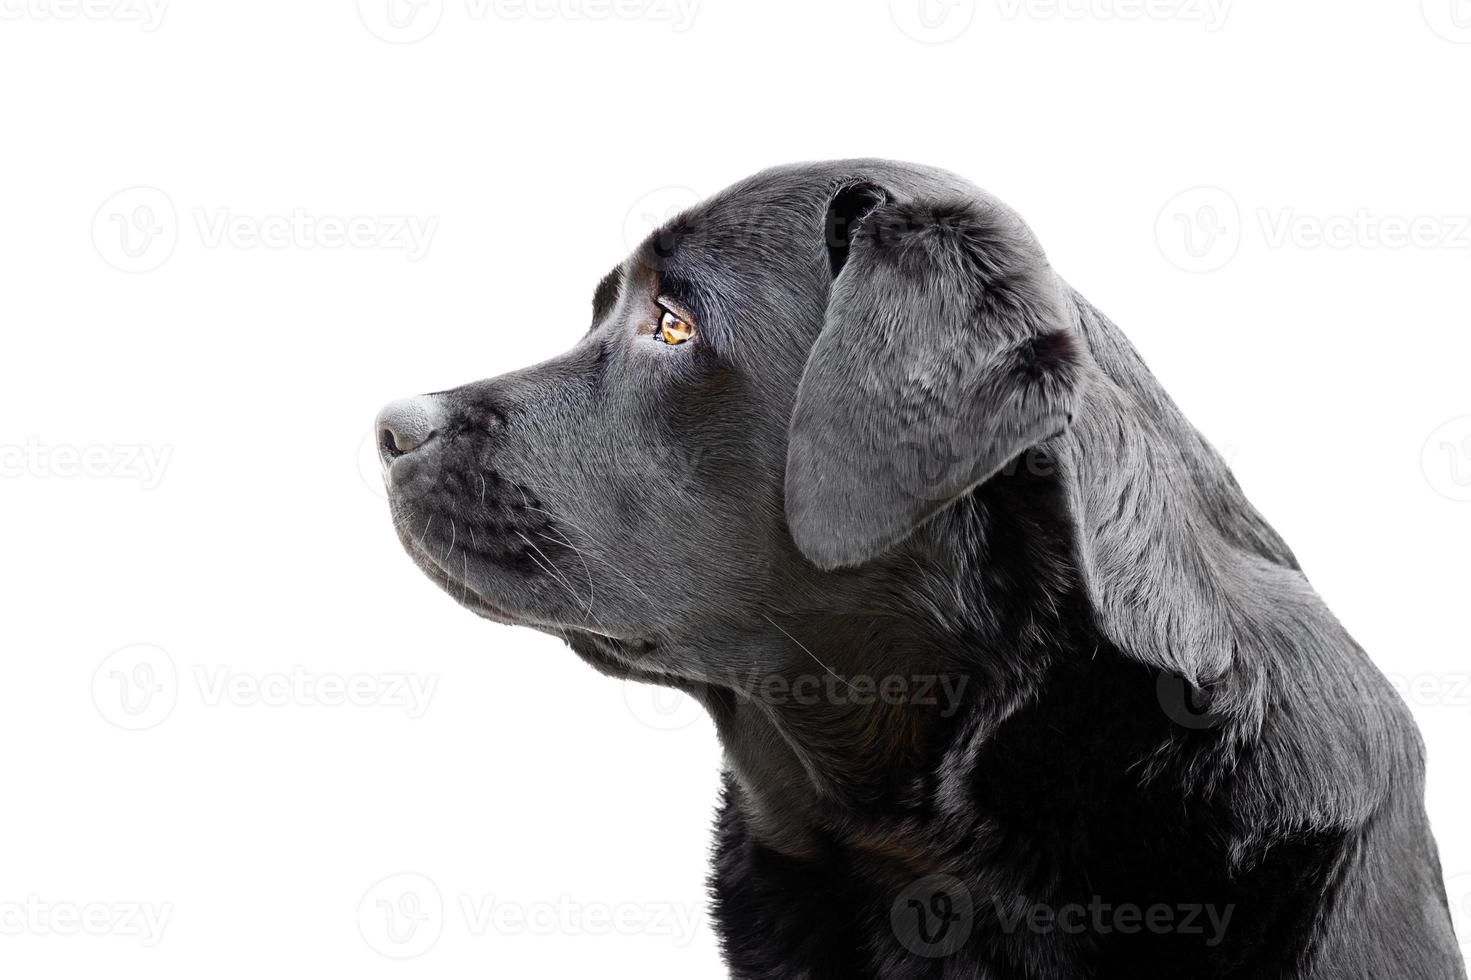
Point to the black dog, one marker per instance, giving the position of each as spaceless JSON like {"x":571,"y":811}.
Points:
{"x":1012,"y":680}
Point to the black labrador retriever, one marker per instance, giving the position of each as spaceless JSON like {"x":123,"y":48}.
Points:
{"x":1012,"y":680}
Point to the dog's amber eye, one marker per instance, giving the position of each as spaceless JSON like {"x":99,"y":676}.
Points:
{"x":674,"y":330}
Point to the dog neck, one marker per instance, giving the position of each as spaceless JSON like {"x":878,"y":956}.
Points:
{"x":868,"y":688}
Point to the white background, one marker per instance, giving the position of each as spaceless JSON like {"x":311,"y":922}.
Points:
{"x":186,"y":395}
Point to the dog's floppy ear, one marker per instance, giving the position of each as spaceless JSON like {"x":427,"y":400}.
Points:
{"x":944,"y":354}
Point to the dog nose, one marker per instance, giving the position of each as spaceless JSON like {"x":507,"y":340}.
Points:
{"x":405,"y":425}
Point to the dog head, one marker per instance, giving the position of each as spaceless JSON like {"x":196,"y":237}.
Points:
{"x":777,"y":388}
{"x":843,"y":419}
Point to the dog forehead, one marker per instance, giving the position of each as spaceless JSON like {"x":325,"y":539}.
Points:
{"x":782,"y":210}
{"x":816,"y":181}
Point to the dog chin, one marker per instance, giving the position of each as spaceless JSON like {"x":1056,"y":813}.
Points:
{"x":459,"y":588}
{"x":464,"y":587}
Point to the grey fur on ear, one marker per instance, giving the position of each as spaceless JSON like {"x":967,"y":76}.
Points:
{"x":945,"y":353}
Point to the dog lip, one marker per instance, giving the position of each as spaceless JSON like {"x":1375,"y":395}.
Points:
{"x":467,"y":595}
{"x":462,"y":591}
{"x":628,"y":648}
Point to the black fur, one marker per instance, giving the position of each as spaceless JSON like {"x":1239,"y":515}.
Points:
{"x":1012,"y":680}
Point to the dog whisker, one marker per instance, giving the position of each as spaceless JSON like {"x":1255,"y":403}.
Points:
{"x":607,"y":563}
{"x":551,"y":570}
{"x":526,"y":502}
{"x":809,"y":653}
{"x":561,"y":540}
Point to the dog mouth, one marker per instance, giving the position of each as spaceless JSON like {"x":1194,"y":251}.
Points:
{"x":459,"y":553}
{"x":616,"y":654}
{"x":465,"y":556}
{"x":459,"y":587}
